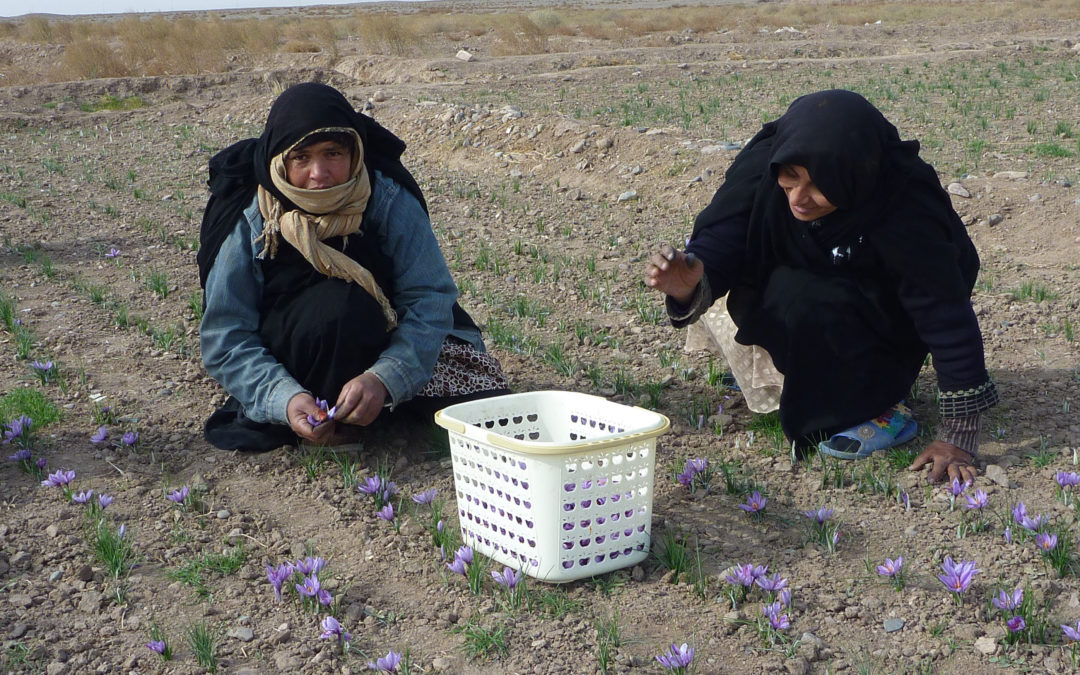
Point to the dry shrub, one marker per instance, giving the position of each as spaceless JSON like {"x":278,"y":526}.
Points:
{"x":8,"y":29}
{"x":89,"y":59}
{"x":517,"y":34}
{"x":301,"y":47}
{"x":37,"y":29}
{"x":254,"y":36}
{"x":450,"y":24}
{"x":386,"y":33}
{"x":312,"y":35}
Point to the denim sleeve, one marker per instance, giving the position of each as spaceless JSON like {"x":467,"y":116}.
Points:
{"x":424,"y":292}
{"x":232,"y":350}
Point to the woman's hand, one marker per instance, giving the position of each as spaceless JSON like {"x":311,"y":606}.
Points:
{"x":945,"y":458}
{"x":674,"y":273}
{"x":361,"y":400}
{"x":297,"y":411}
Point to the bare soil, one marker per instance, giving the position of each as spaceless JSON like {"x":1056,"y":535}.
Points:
{"x":550,"y":179}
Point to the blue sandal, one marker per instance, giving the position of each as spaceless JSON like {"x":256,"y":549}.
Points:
{"x":894,"y":427}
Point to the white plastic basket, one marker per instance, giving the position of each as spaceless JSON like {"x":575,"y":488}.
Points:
{"x":557,"y":484}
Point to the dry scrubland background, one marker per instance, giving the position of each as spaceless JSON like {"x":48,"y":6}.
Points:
{"x":576,"y":141}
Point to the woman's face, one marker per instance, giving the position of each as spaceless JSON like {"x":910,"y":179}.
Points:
{"x":318,"y":166}
{"x":805,"y":199}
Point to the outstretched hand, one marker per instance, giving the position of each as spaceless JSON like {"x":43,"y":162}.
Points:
{"x":674,"y":273}
{"x":297,"y":411}
{"x":945,"y":460}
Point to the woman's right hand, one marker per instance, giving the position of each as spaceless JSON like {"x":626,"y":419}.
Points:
{"x":300,"y":406}
{"x":674,"y":273}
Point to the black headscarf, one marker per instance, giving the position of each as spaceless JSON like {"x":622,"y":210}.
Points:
{"x":237,"y":171}
{"x":883,"y":192}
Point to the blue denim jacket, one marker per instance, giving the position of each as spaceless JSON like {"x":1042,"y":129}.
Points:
{"x":235,"y":356}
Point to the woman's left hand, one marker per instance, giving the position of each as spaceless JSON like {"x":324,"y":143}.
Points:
{"x":945,"y":458}
{"x":361,"y":400}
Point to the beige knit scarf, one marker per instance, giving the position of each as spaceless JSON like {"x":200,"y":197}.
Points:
{"x":332,"y":212}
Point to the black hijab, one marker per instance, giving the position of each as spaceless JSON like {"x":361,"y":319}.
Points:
{"x":237,"y":171}
{"x":883,"y":191}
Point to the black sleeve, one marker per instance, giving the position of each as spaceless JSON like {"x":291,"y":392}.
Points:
{"x":721,"y":247}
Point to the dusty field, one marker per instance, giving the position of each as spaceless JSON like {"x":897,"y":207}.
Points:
{"x":550,"y":178}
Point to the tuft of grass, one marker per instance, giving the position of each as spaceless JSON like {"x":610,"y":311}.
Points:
{"x":203,"y":640}
{"x":30,"y":402}
{"x":113,"y":548}
{"x":607,"y":641}
{"x":769,"y":426}
{"x":670,"y":551}
{"x":482,"y":642}
{"x":553,"y":601}
{"x":194,"y":572}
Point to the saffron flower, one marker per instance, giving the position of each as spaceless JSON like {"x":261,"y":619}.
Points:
{"x":40,"y":463}
{"x":785,"y":597}
{"x":1008,"y":535}
{"x":508,"y":579}
{"x":332,"y":628}
{"x":1019,"y":512}
{"x":1067,"y":479}
{"x":309,"y":566}
{"x":20,"y":455}
{"x":322,"y":414}
{"x":777,"y":621}
{"x":129,"y":439}
{"x":386,"y":513}
{"x":1016,"y":624}
{"x":156,"y":646}
{"x":891,"y":567}
{"x":426,"y":497}
{"x":113,"y":253}
{"x":754,"y":503}
{"x":743,"y":575}
{"x":122,"y":531}
{"x":957,"y":577}
{"x":1070,"y":632}
{"x":691,"y":470}
{"x":677,"y":659}
{"x":100,"y":435}
{"x":309,"y":587}
{"x":179,"y":496}
{"x":1046,"y":541}
{"x":59,"y":479}
{"x":1034,"y":524}
{"x":465,"y":553}
{"x":83,"y":497}
{"x":277,"y":576}
{"x":771,"y":584}
{"x":819,"y":516}
{"x":104,"y":500}
{"x":978,"y":501}
{"x":457,"y":567}
{"x":16,"y":427}
{"x":1009,"y":602}
{"x":324,"y":597}
{"x":43,"y":367}
{"x":386,"y":664}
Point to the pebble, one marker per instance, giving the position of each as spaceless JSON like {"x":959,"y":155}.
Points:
{"x":995,"y":474}
{"x":439,"y":664}
{"x":893,"y":625}
{"x":628,"y":195}
{"x":1011,"y":175}
{"x":958,"y":190}
{"x":241,"y":633}
{"x":986,"y":645}
{"x":995,"y":219}
{"x":20,"y":600}
{"x":223,"y":514}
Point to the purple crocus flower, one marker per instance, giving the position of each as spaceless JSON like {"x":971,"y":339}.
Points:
{"x":771,"y":584}
{"x":1008,"y":602}
{"x":1008,"y":535}
{"x":21,"y":455}
{"x":277,"y":576}
{"x":891,"y":567}
{"x":83,"y":497}
{"x":156,"y":646}
{"x":40,"y":463}
{"x":122,"y":531}
{"x":1067,"y":479}
{"x":759,"y":571}
{"x":324,"y":597}
{"x":1016,"y":624}
{"x":308,"y":566}
{"x":678,"y":657}
{"x":1019,"y":512}
{"x":325,"y":413}
{"x":779,"y":621}
{"x":104,"y":500}
{"x":742,"y":575}
{"x":386,"y":513}
{"x":113,"y":253}
{"x":685,"y":478}
{"x":957,"y":577}
{"x":59,"y":479}
{"x":785,"y":597}
{"x":1071,"y":633}
{"x":754,"y":503}
{"x":977,"y":501}
{"x":1046,"y":541}
{"x":426,"y":497}
{"x":179,"y":496}
{"x":42,"y":367}
{"x":129,"y":439}
{"x":956,"y":488}
{"x":457,"y":567}
{"x":508,"y":579}
{"x":1034,"y":524}
{"x":332,"y":628}
{"x":386,"y":664}
{"x":100,"y":435}
{"x":16,"y":427}
{"x":819,"y":516}
{"x":465,"y":553}
{"x":309,"y":586}
{"x":698,"y":465}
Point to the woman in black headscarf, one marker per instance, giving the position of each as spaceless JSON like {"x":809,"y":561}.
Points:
{"x":840,"y":254}
{"x":327,"y":297}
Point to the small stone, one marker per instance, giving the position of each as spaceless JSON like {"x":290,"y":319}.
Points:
{"x":20,"y":600}
{"x":628,"y":195}
{"x":19,"y":630}
{"x":986,"y":645}
{"x":241,"y":633}
{"x":605,"y":143}
{"x":1011,"y":175}
{"x":440,"y":664}
{"x":995,"y":474}
{"x":893,"y":625}
{"x":638,"y":573}
{"x":578,"y":147}
{"x":958,"y":190}
{"x":280,"y":636}
{"x":378,"y":96}
{"x":52,"y":530}
{"x":85,"y":573}
{"x":463,"y":55}
{"x":223,"y":514}
{"x":995,"y":219}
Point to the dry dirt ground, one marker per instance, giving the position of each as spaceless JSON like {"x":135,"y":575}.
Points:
{"x":550,"y":178}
